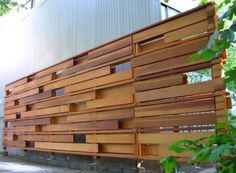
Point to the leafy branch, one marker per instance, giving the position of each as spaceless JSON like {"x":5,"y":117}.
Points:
{"x":219,"y":149}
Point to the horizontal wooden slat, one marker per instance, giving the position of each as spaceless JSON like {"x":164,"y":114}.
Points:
{"x":169,"y":138}
{"x":15,"y":84}
{"x":181,"y":90}
{"x":170,"y":64}
{"x":174,"y":51}
{"x":67,"y":146}
{"x":183,"y":120}
{"x":15,"y":110}
{"x":33,"y":83}
{"x":78,"y":78}
{"x":100,"y":60}
{"x":102,"y":115}
{"x":46,"y":138}
{"x":176,"y":108}
{"x":32,"y":122}
{"x":10,"y":117}
{"x":113,"y":148}
{"x":23,"y":94}
{"x":110,"y":47}
{"x":21,"y":129}
{"x":36,"y":97}
{"x":14,"y":143}
{"x":55,"y":68}
{"x":100,"y":81}
{"x":171,"y":80}
{"x":171,"y":25}
{"x":100,"y":125}
{"x":188,"y":31}
{"x":66,"y":100}
{"x":112,"y":97}
{"x":111,"y":139}
{"x":46,"y":111}
{"x":161,"y":151}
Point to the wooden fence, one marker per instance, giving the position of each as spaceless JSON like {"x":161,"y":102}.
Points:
{"x":129,"y":98}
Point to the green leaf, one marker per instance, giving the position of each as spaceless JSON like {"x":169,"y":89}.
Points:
{"x":169,"y":164}
{"x":207,"y":54}
{"x":201,"y":156}
{"x":233,"y":27}
{"x":183,"y":145}
{"x":228,"y":35}
{"x":217,"y":152}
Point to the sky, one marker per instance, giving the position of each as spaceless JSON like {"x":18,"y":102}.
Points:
{"x":183,"y":5}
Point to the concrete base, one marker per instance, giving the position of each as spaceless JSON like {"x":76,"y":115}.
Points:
{"x":88,"y":163}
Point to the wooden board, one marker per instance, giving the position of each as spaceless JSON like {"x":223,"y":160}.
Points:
{"x":181,"y":90}
{"x":67,"y":146}
{"x":102,"y":115}
{"x":111,"y":139}
{"x":78,"y":78}
{"x":46,"y":111}
{"x":100,"y":81}
{"x":168,"y":138}
{"x":203,"y":105}
{"x":100,"y":125}
{"x":46,"y":138}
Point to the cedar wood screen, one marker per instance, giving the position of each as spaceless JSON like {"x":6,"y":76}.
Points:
{"x":129,"y":98}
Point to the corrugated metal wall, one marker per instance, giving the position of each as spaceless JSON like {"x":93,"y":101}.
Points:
{"x":59,"y":29}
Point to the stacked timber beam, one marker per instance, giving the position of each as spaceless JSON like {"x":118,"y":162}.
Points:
{"x":129,"y":98}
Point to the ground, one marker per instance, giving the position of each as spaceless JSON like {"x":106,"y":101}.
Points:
{"x":12,"y":165}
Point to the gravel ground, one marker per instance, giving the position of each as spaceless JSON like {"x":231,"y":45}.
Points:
{"x":12,"y":165}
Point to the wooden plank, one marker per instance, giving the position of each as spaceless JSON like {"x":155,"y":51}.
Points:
{"x":100,"y":60}
{"x":170,"y":64}
{"x":46,"y":111}
{"x":15,"y":110}
{"x":22,"y":129}
{"x":66,"y":100}
{"x":100,"y":125}
{"x":118,"y":95}
{"x":46,"y":138}
{"x":9,"y":104}
{"x":181,"y":90}
{"x":55,"y":68}
{"x":161,"y":82}
{"x":170,"y":25}
{"x":14,"y":144}
{"x":169,"y":138}
{"x":182,"y":120}
{"x":78,"y":78}
{"x":161,"y":151}
{"x":176,"y":108}
{"x":33,"y":83}
{"x":117,"y":77}
{"x":111,"y":138}
{"x":110,"y":47}
{"x":9,"y":117}
{"x":23,"y":94}
{"x":16,"y":83}
{"x":188,"y":31}
{"x":113,"y":148}
{"x":174,"y":51}
{"x":32,"y":122}
{"x":102,"y":115}
{"x":67,"y":146}
{"x":176,"y":71}
{"x":36,"y":97}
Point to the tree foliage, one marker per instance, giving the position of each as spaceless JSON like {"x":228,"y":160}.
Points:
{"x":219,"y":149}
{"x":7,"y":5}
